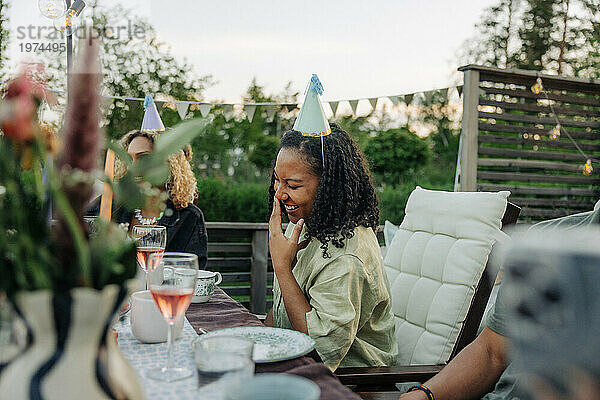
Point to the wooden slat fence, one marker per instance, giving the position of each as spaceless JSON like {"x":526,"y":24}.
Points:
{"x":506,"y":144}
{"x":240,"y":251}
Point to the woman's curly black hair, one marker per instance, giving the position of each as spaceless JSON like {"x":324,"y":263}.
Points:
{"x":345,"y":196}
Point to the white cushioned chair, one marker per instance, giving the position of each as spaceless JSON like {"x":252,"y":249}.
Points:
{"x":435,"y":263}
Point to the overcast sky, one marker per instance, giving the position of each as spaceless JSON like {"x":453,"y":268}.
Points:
{"x":359,"y":49}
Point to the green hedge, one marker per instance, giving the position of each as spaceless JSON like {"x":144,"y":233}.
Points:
{"x":228,"y":201}
{"x":232,"y":201}
{"x":392,"y":200}
{"x":247,"y":202}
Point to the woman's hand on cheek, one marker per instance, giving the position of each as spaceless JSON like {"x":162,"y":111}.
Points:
{"x":283,"y":250}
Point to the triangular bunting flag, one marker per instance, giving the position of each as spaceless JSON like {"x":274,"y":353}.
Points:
{"x":271,"y":112}
{"x":428,"y":95}
{"x":131,"y":103}
{"x":334,"y":106}
{"x":182,"y":109}
{"x":394,"y":99}
{"x":250,"y":110}
{"x":409,"y":98}
{"x":353,"y":105}
{"x":227,"y":111}
{"x":459,"y":90}
{"x":204,"y":109}
{"x":373,"y":101}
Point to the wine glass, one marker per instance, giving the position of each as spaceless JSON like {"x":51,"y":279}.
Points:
{"x":172,"y":297}
{"x":150,"y":240}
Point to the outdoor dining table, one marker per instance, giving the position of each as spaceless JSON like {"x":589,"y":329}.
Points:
{"x":221,"y":311}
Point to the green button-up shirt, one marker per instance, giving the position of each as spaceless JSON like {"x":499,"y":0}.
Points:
{"x":351,"y":318}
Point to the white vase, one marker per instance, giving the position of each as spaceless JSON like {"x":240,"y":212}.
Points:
{"x":71,"y":356}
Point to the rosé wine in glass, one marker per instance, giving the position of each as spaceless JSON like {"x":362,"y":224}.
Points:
{"x":172,"y":301}
{"x":144,"y":253}
{"x":172,"y":294}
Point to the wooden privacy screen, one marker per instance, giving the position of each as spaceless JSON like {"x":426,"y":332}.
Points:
{"x":506,"y":142}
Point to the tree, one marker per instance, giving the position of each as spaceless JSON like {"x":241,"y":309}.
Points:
{"x":241,"y":150}
{"x":395,"y":154}
{"x":589,"y":65}
{"x":554,"y":36}
{"x":264,"y":152}
{"x":536,"y":34}
{"x":443,"y":120}
{"x":360,"y":128}
{"x":4,"y":36}
{"x":133,"y":66}
{"x":498,"y":29}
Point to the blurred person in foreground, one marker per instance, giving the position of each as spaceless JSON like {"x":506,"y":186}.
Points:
{"x":482,"y":369}
{"x":186,"y":230}
{"x":329,"y":278}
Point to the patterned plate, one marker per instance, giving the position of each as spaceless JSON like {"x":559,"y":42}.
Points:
{"x":270,"y":344}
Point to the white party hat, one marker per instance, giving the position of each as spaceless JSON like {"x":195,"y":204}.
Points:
{"x":152,"y":121}
{"x":311,"y":119}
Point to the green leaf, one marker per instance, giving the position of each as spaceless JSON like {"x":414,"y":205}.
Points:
{"x":171,"y":141}
{"x":128,"y":192}
{"x":120,"y":152}
{"x":157,"y":175}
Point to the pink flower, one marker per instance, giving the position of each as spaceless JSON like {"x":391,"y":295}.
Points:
{"x":18,"y":120}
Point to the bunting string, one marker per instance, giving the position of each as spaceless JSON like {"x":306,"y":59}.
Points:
{"x":183,"y":106}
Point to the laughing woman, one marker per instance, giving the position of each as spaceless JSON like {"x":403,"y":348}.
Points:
{"x":329,"y":277}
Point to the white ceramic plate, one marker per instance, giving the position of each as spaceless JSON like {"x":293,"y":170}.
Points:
{"x":270,"y":344}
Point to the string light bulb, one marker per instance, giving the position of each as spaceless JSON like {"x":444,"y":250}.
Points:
{"x":555,"y":134}
{"x":67,"y":23}
{"x":537,"y":86}
{"x":52,"y":8}
{"x":587,"y":168}
{"x":76,"y":8}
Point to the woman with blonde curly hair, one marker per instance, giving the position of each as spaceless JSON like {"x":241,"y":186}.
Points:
{"x":186,"y":231}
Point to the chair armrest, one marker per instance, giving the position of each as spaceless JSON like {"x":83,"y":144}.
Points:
{"x":386,"y":375}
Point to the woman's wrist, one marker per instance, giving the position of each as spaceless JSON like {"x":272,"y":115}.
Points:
{"x":282,"y":270}
{"x":284,"y":274}
{"x":423,"y":390}
{"x":415,"y":395}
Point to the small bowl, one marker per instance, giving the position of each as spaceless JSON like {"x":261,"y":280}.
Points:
{"x":274,"y":387}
